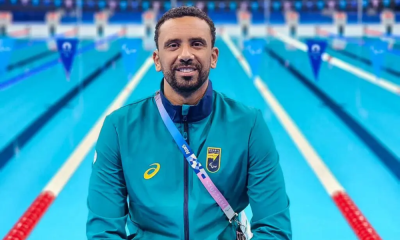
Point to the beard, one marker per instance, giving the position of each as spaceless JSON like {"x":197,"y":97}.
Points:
{"x":186,"y":85}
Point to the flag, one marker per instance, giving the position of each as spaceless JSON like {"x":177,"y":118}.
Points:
{"x":316,"y":49}
{"x":67,"y":49}
{"x":130,"y":49}
{"x":253,"y":49}
{"x":6,"y":49}
{"x":378,"y":50}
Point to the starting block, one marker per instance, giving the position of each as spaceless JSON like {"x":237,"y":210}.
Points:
{"x":388,"y":20}
{"x":149,"y":21}
{"x":5,"y":21}
{"x":52,"y":21}
{"x":340,"y":20}
{"x":244,"y":19}
{"x":292,"y":21}
{"x":101,"y":21}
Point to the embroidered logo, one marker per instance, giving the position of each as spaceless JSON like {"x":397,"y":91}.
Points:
{"x":213,"y":159}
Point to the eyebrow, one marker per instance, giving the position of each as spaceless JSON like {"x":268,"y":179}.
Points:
{"x":169,"y":41}
{"x":199,"y":39}
{"x":176,"y":40}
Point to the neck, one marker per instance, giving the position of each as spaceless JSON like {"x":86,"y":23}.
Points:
{"x":179,"y":100}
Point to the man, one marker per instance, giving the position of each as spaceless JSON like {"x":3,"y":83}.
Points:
{"x":140,"y":176}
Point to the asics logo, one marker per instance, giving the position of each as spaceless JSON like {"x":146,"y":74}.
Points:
{"x":151,"y":172}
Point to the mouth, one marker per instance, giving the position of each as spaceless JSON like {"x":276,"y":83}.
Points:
{"x":186,"y":71}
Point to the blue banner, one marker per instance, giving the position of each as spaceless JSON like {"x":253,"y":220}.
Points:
{"x":130,"y":49}
{"x":253,"y":49}
{"x":67,"y":49}
{"x":6,"y":49}
{"x":316,"y":49}
{"x":378,"y":51}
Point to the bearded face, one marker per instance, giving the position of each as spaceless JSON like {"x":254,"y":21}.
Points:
{"x":185,"y":55}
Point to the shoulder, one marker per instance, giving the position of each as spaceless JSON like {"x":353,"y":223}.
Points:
{"x":136,"y":108}
{"x":234,"y":108}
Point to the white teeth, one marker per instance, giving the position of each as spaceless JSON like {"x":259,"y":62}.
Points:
{"x":185,"y":70}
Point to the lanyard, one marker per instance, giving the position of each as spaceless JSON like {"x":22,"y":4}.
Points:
{"x":192,"y":159}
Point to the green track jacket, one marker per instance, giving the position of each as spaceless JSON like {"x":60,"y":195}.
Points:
{"x":141,"y":182}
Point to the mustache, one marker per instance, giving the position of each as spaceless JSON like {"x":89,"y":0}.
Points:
{"x":192,"y":65}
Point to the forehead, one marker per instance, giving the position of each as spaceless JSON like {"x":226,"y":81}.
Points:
{"x":184,"y":28}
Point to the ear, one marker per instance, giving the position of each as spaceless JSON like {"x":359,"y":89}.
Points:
{"x":156,"y":60}
{"x":214,"y":57}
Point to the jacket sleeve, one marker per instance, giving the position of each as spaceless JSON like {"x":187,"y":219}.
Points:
{"x":266,"y":187}
{"x":107,"y":196}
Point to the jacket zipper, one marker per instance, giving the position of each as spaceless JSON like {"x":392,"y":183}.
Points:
{"x":185,"y":171}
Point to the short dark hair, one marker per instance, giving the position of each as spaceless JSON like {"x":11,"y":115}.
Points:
{"x":184,"y":12}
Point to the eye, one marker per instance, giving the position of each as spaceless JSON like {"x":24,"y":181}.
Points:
{"x":173,"y":45}
{"x":198,"y":44}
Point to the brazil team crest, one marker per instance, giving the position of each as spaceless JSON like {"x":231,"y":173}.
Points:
{"x":213,"y":159}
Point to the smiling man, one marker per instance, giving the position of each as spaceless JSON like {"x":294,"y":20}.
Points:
{"x":182,"y":163}
{"x":185,"y":54}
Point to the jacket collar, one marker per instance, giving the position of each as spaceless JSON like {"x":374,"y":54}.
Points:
{"x":193,"y":113}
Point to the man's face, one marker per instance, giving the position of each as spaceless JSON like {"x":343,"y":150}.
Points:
{"x":185,"y":54}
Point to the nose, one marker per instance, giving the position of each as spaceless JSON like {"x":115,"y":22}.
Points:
{"x":186,"y":56}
